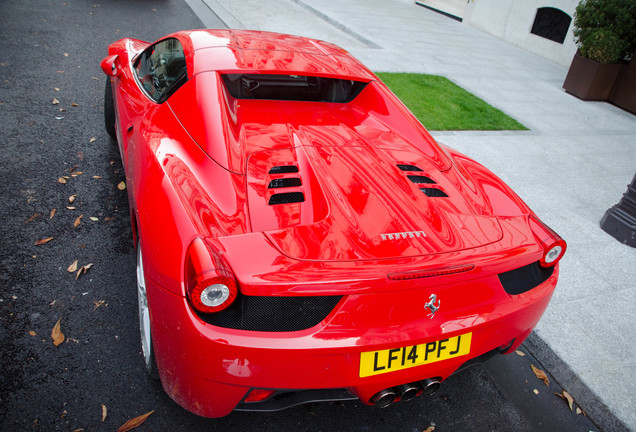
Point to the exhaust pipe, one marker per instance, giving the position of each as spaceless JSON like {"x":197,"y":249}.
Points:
{"x":408,"y":391}
{"x":383,"y":398}
{"x":430,"y":386}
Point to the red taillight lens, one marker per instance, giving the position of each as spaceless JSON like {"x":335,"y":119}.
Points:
{"x":211,"y":285}
{"x":553,"y":245}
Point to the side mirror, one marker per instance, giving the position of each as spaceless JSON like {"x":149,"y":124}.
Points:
{"x":110,"y":65}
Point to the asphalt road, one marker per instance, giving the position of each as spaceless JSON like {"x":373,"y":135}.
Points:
{"x":50,"y":50}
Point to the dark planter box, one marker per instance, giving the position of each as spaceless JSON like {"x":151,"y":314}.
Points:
{"x":620,"y":220}
{"x":624,"y":93}
{"x":591,"y":80}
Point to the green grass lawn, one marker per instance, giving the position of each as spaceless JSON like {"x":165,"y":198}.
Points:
{"x":442,"y":105}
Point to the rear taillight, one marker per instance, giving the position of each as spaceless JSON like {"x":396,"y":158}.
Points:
{"x":211,"y":285}
{"x":553,"y":245}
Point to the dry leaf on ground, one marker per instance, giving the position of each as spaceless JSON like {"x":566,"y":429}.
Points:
{"x":61,"y":180}
{"x":55,"y":101}
{"x":71,"y":198}
{"x":32,"y":218}
{"x":121,"y":186}
{"x":431,"y":428}
{"x":92,"y":140}
{"x":97,"y":177}
{"x":56,"y":333}
{"x":78,"y":221}
{"x":520,"y":353}
{"x":540,"y":374}
{"x":73,"y":267}
{"x":43,"y":241}
{"x":93,"y":218}
{"x":32,"y":333}
{"x":74,"y":104}
{"x":566,"y":396}
{"x":135,"y":422}
{"x":52,"y":214}
{"x":84,"y":269}
{"x":97,"y":304}
{"x":104,"y":412}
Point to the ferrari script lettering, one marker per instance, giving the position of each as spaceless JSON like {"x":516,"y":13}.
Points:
{"x":403,"y":235}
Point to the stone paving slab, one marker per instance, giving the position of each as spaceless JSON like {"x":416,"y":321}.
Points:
{"x":571,"y":166}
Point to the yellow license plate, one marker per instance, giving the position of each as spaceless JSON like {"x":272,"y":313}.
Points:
{"x":379,"y":362}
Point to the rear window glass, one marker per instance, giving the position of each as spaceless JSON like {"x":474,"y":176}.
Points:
{"x":292,"y":87}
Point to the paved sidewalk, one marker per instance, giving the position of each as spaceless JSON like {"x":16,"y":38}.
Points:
{"x":571,"y":166}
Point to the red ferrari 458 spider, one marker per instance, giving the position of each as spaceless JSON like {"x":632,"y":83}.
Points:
{"x":300,"y":236}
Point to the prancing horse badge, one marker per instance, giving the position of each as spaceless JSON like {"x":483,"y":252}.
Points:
{"x":432,"y":306}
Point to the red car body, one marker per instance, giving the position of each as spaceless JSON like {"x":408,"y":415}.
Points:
{"x":365,"y":259}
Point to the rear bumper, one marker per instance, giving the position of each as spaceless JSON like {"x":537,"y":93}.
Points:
{"x":209,"y":370}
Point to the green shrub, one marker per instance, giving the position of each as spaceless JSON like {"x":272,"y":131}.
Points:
{"x":603,"y":27}
{"x":604,"y":47}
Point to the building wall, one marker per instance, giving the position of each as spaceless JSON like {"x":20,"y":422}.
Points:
{"x":512,"y":21}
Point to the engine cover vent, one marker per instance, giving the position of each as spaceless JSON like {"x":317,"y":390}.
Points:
{"x":284,"y":183}
{"x":434,"y":192}
{"x":405,"y":167}
{"x":421,"y":179}
{"x":286,"y":198}
{"x":285,"y":169}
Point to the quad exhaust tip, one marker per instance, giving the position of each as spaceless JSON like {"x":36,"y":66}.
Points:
{"x":383,"y":398}
{"x":406,"y":392}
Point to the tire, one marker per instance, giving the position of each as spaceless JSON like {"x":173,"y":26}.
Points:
{"x":109,"y":110}
{"x":144,"y":319}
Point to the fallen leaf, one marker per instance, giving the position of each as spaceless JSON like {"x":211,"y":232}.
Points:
{"x":32,"y":218}
{"x":73,"y":267}
{"x":65,"y":54}
{"x":536,"y":391}
{"x":78,"y":221}
{"x":43,"y":241}
{"x":61,"y":180}
{"x":98,"y":303}
{"x":521,"y":353}
{"x":56,"y":88}
{"x":71,"y":198}
{"x":52,"y":303}
{"x":540,"y":374}
{"x":121,"y":186}
{"x":77,"y":173}
{"x":431,"y":428}
{"x":93,"y":218}
{"x":95,"y":78}
{"x":566,"y":396}
{"x":135,"y":422}
{"x":60,"y":71}
{"x":32,"y":333}
{"x":62,"y":110}
{"x":52,"y":214}
{"x":104,"y":412}
{"x":74,"y":104}
{"x":84,"y":269}
{"x":56,"y":334}
{"x":59,"y":118}
{"x":109,"y":218}
{"x":92,"y":140}
{"x":55,"y":101}
{"x":97,"y":177}
{"x":578,"y":411}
